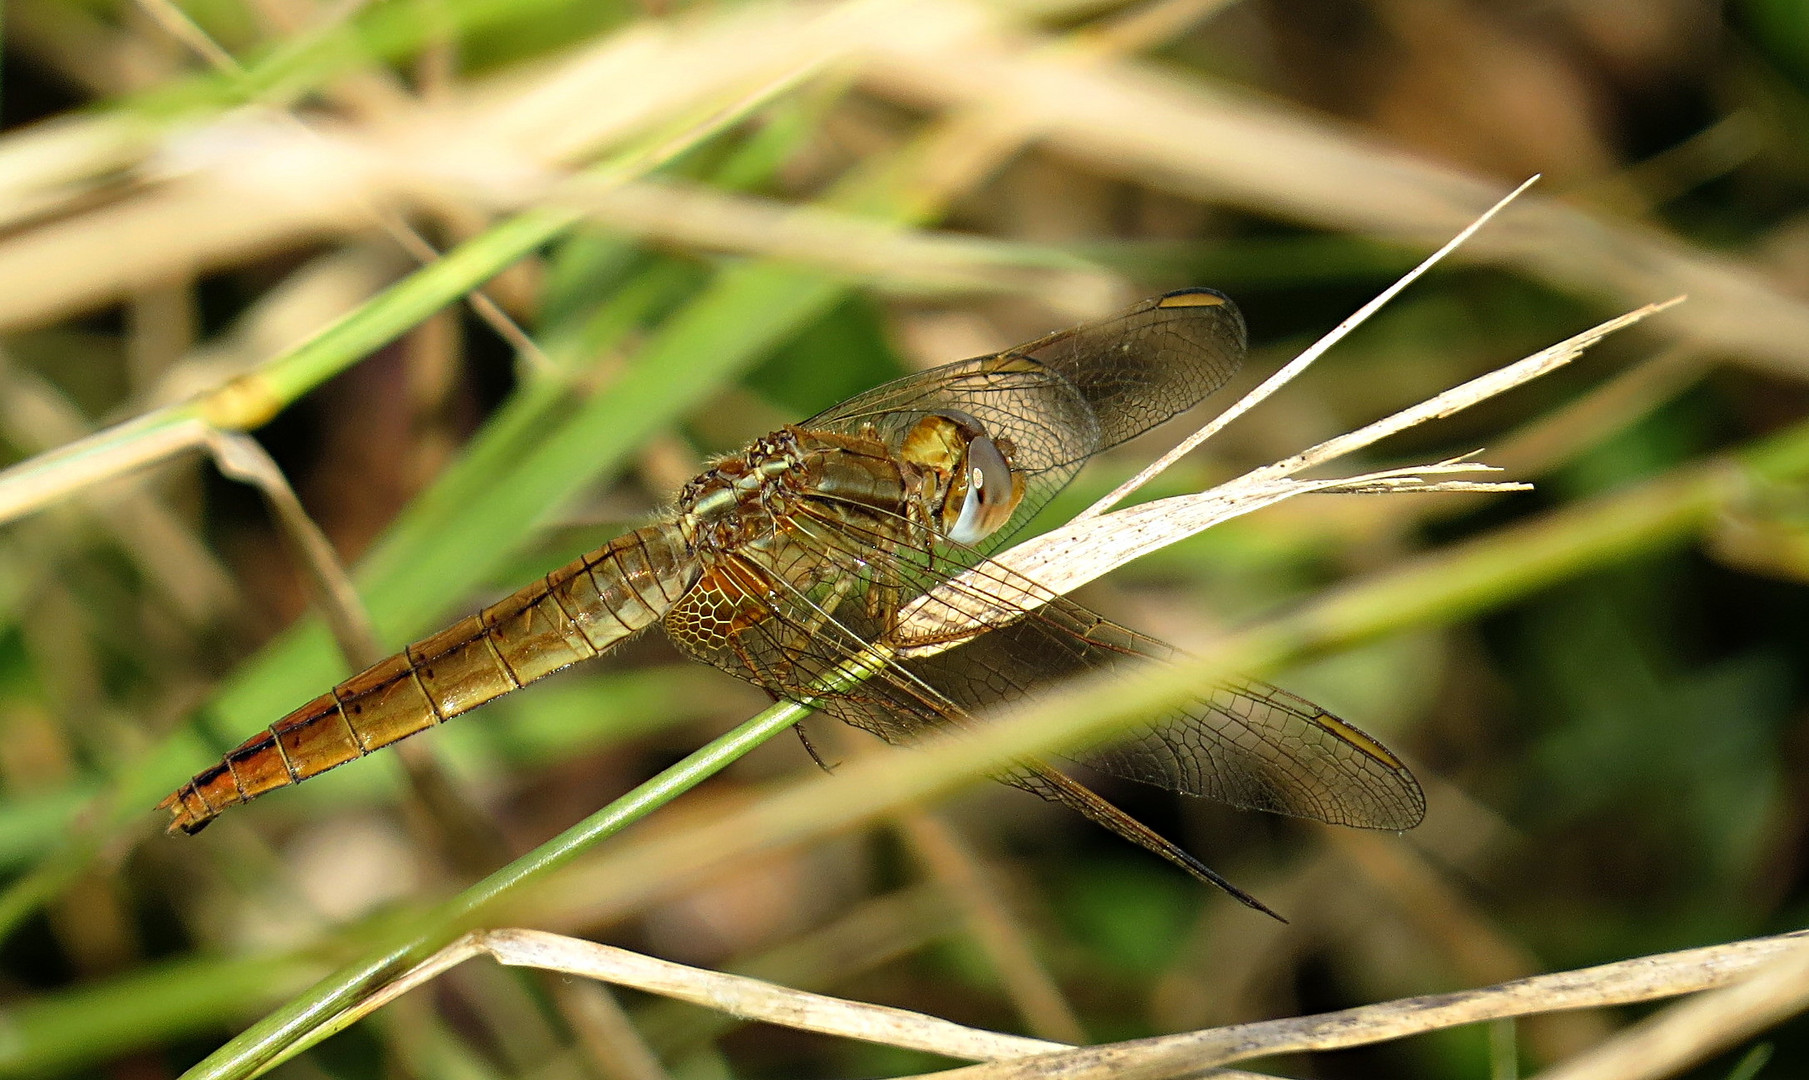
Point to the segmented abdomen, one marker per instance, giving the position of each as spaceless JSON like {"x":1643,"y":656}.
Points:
{"x":572,"y":614}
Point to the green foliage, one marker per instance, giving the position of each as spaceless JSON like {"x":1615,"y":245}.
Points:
{"x":842,"y":353}
{"x":1127,"y":914}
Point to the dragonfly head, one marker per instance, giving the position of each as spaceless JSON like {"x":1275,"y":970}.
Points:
{"x":971,"y":487}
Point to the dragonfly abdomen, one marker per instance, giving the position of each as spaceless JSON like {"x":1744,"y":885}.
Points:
{"x":572,"y":614}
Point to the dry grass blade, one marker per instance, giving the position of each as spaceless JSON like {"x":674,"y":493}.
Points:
{"x":739,"y":996}
{"x":160,"y":434}
{"x":971,"y":886}
{"x":749,"y":999}
{"x":178,"y":25}
{"x":34,"y":414}
{"x":1300,"y":363}
{"x":1570,"y":430}
{"x":247,"y":184}
{"x":123,"y":450}
{"x":1644,"y":979}
{"x":1065,"y":558}
{"x":1458,"y":398}
{"x":51,"y":165}
{"x":242,"y":458}
{"x":106,"y":455}
{"x":607,"y":1033}
{"x":1690,"y":1032}
{"x":1133,"y":119}
{"x":888,"y":255}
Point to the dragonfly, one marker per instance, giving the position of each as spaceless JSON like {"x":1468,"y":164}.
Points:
{"x":803,"y":564}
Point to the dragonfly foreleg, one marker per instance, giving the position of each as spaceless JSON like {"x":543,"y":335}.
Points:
{"x":811,"y":749}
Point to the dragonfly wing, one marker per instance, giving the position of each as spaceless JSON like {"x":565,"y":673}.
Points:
{"x":751,"y":619}
{"x":748,"y":616}
{"x":797,"y":648}
{"x":1132,"y":370}
{"x":1149,"y":363}
{"x":1051,"y":428}
{"x":1057,"y":787}
{"x":1243,"y":742}
{"x":1062,"y":398}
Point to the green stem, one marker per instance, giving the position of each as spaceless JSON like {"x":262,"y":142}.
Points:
{"x":311,"y":1017}
{"x":286,"y":70}
{"x":262,"y":394}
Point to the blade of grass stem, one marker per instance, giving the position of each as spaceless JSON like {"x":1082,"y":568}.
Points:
{"x":1300,"y":363}
{"x":1690,"y":1032}
{"x":875,"y":932}
{"x":1729,"y":973}
{"x":290,"y":68}
{"x":304,"y":1021}
{"x":754,"y":998}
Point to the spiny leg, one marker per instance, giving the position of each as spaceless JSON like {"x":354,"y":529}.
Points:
{"x":810,"y":748}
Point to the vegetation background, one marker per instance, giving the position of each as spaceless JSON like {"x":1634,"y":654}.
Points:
{"x":712,"y":218}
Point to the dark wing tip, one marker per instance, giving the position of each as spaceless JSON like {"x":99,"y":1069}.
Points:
{"x":1212,"y":877}
{"x":1198,"y":296}
{"x":1405,"y":812}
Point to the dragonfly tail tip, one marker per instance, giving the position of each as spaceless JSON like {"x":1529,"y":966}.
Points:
{"x":182,"y":820}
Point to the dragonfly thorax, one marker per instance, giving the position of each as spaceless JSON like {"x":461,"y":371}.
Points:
{"x":736,"y":499}
{"x":945,"y":479}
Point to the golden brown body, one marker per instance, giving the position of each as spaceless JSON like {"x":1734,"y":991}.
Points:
{"x":574,"y":613}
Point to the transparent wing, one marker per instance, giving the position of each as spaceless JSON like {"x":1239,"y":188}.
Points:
{"x":1244,"y":743}
{"x":790,"y":609}
{"x":795,"y":642}
{"x":1062,"y":398}
{"x":1154,"y":361}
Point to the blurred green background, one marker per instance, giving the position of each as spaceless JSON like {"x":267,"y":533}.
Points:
{"x":1616,"y":754}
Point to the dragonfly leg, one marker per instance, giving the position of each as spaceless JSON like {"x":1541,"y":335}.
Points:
{"x":747,"y":662}
{"x":750,"y":619}
{"x":810,"y":748}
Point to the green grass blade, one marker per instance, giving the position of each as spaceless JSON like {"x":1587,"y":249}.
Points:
{"x":310,"y":1017}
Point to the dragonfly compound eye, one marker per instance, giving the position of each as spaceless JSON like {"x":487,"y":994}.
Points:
{"x":991,"y":493}
{"x":975,"y":489}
